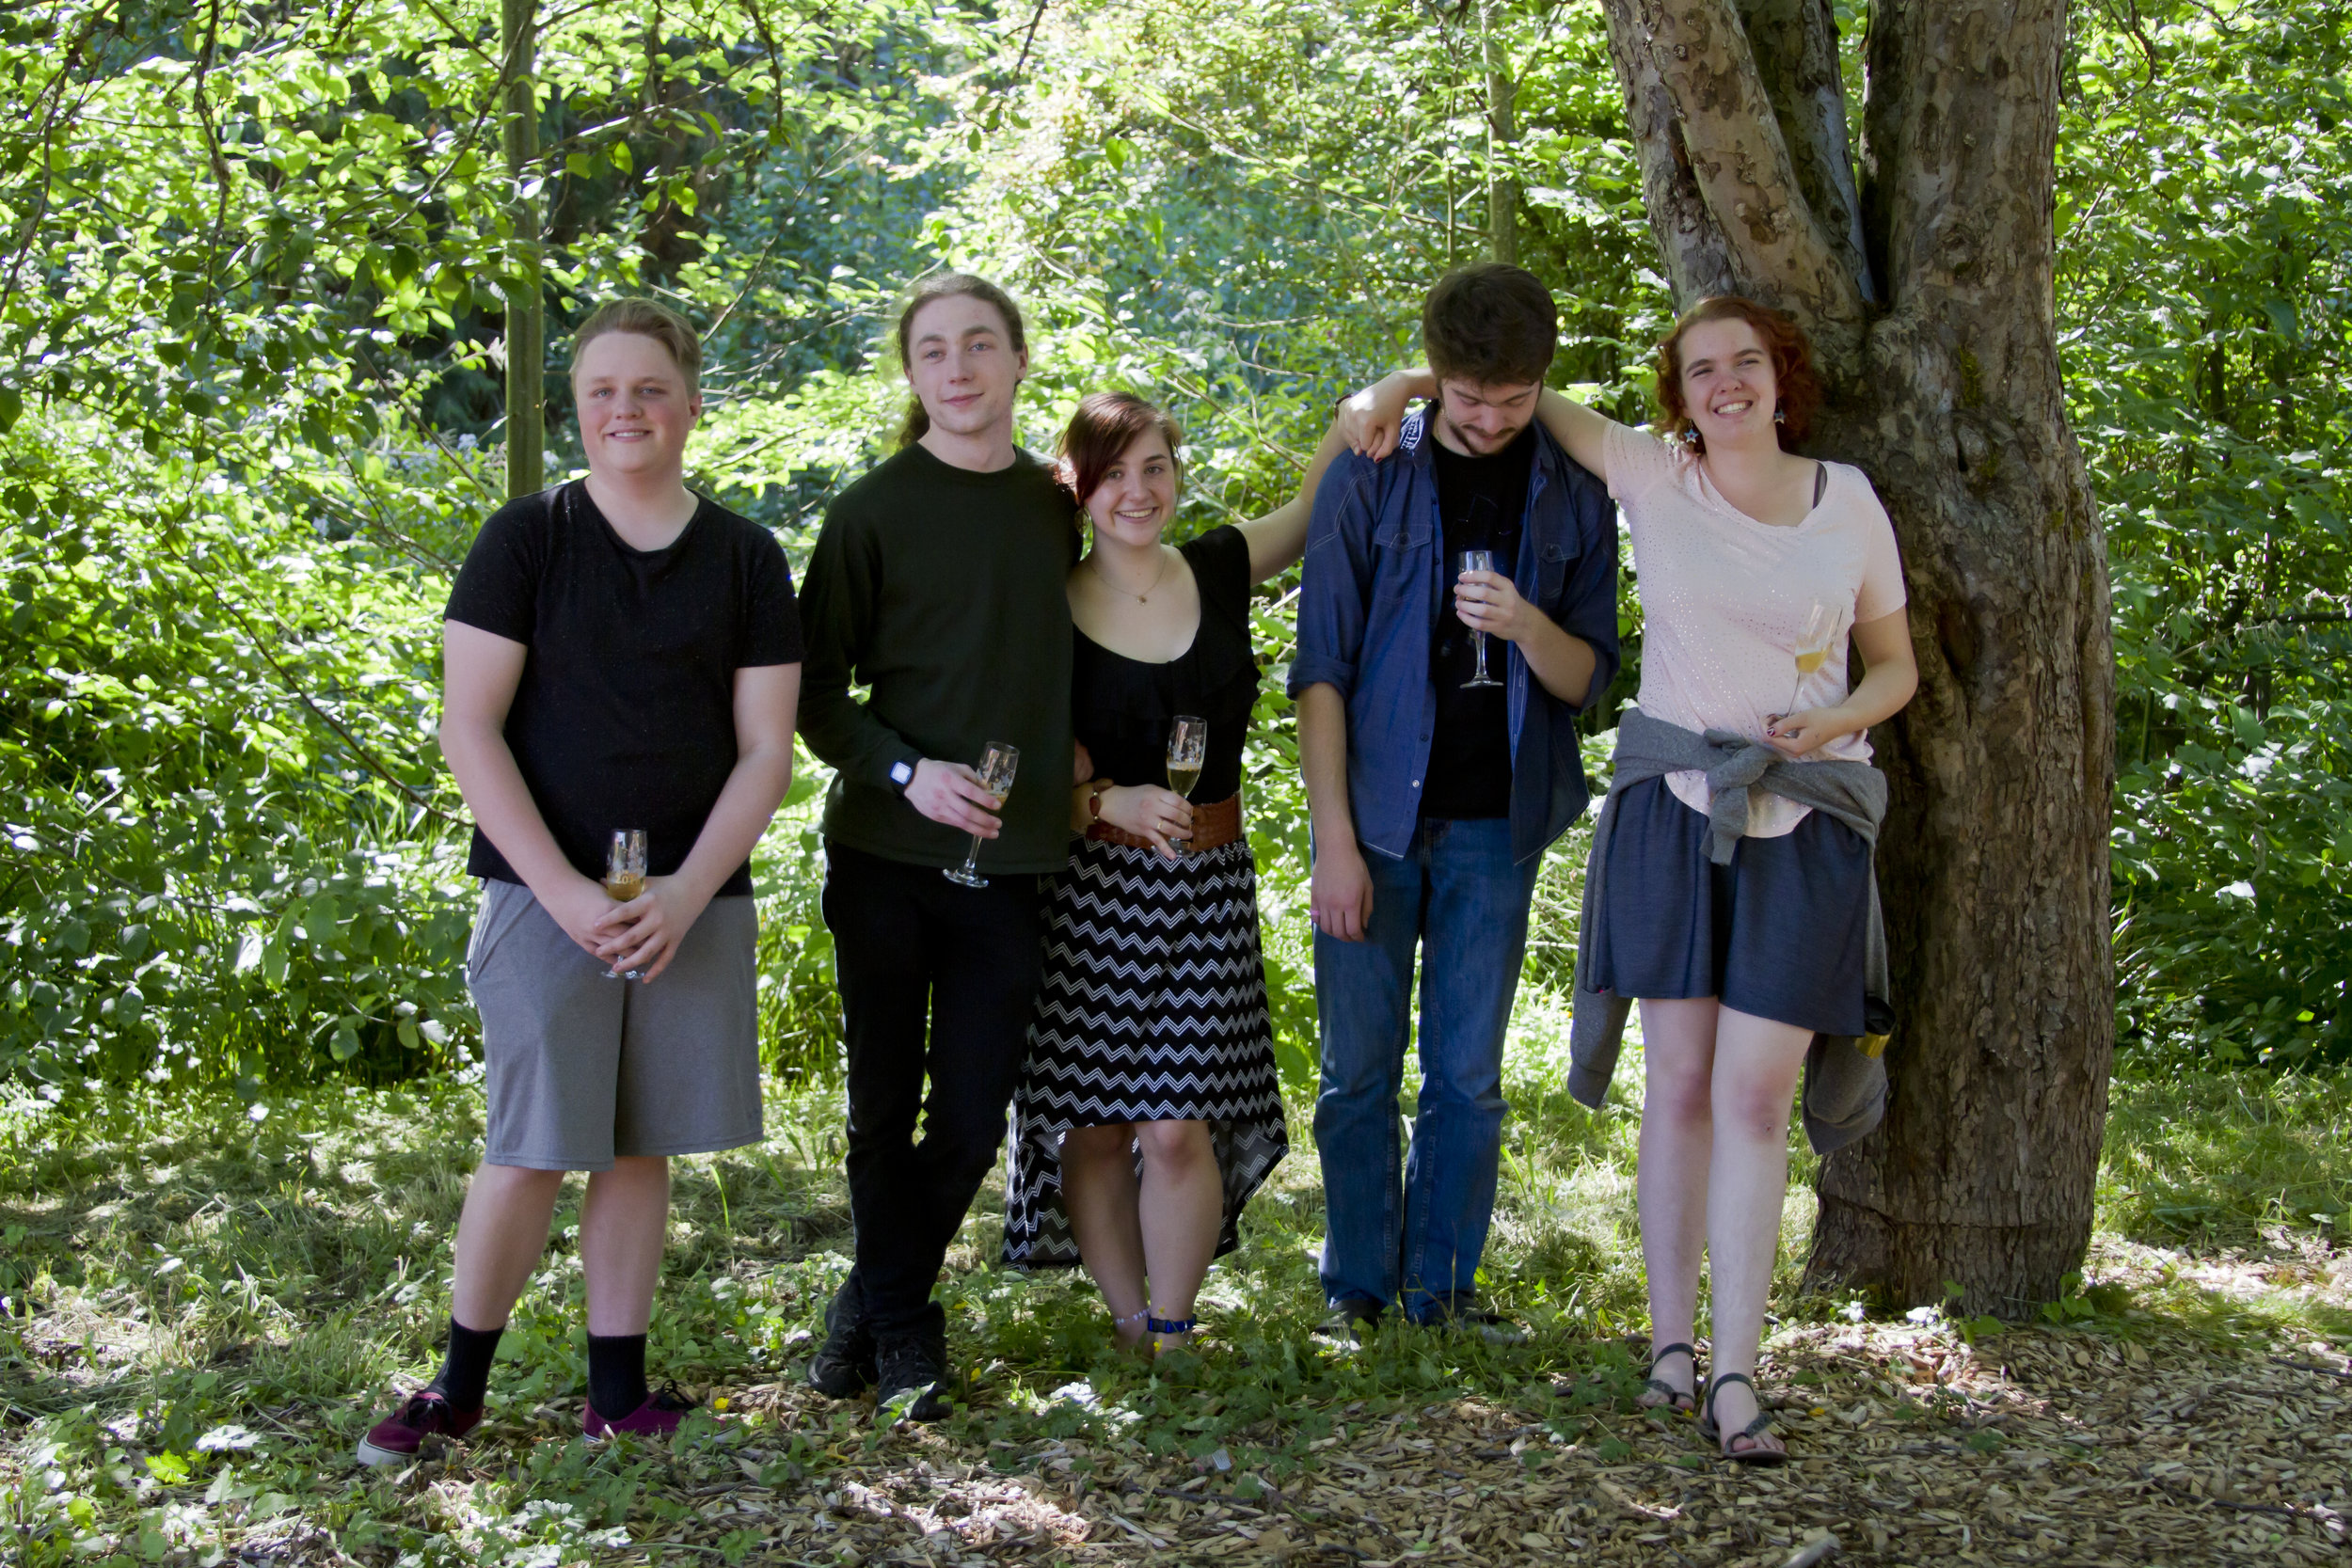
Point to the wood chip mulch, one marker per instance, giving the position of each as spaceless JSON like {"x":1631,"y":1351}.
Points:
{"x":2043,"y":1446}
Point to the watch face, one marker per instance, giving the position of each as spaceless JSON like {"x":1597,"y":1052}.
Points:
{"x":901,"y":774}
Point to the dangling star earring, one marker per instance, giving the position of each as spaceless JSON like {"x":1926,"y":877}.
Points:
{"x":1780,"y":415}
{"x":1691,"y":436}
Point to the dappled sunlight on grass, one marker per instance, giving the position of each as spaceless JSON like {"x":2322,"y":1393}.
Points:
{"x":233,"y":1295}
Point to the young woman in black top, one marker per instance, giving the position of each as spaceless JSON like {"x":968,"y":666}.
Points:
{"x":1149,"y":1108}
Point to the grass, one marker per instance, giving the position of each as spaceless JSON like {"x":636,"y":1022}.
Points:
{"x":206,"y":1302}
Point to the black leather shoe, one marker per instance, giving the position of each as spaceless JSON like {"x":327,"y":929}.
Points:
{"x":844,"y":1366}
{"x":1351,"y":1319}
{"x":913,"y":1368}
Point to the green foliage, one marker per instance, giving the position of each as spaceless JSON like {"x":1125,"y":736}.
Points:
{"x":2205,"y":242}
{"x":251,"y":314}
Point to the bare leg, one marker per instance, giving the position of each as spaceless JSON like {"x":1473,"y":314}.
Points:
{"x":624,"y":1222}
{"x":1671,"y":1178}
{"x":1757,"y":1062}
{"x":1098,"y":1189}
{"x":500,"y":1234}
{"x":1182,"y":1209}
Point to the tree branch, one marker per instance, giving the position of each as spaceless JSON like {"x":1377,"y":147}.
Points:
{"x":1794,"y":44}
{"x":1718,"y":179}
{"x":1698,"y":263}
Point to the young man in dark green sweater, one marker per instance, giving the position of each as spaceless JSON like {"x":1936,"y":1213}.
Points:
{"x":937,"y":584}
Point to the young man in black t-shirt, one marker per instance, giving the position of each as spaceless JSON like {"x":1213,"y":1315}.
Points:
{"x":937,"y":584}
{"x":619,"y":653}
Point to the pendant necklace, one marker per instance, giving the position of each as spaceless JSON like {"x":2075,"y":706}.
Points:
{"x":1143,"y":597}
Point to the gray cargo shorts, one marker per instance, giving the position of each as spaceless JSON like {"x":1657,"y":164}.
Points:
{"x":581,"y":1070}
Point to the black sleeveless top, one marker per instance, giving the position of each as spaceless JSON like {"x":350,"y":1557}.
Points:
{"x":1121,"y":706}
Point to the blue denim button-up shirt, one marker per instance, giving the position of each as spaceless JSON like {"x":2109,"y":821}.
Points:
{"x":1375,"y":583}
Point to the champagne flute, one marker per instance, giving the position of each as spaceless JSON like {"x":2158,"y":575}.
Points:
{"x":1479,"y":561}
{"x":997,"y":764}
{"x":625,"y":877}
{"x":1187,"y":750}
{"x":1813,"y":643}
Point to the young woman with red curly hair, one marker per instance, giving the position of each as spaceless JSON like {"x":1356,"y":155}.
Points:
{"x":1730,"y":889}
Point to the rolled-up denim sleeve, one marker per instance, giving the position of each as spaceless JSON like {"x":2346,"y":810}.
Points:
{"x":1588,"y":600}
{"x":1335,"y":581}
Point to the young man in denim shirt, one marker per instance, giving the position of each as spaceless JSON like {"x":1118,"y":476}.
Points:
{"x":1434,"y":796}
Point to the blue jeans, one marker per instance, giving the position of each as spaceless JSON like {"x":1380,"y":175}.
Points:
{"x":1456,"y":895}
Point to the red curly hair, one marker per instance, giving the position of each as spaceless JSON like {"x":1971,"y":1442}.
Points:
{"x":1794,"y":376}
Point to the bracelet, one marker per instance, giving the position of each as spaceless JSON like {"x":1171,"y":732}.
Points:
{"x":1141,"y":1314}
{"x":1170,"y":1325}
{"x":1094,"y":800}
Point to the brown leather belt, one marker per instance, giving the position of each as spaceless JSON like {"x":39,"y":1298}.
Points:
{"x":1214,"y":825}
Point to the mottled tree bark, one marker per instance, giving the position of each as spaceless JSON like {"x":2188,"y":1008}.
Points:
{"x":1936,"y":329}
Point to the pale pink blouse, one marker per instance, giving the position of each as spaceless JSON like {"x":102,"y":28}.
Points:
{"x":1725,"y":598}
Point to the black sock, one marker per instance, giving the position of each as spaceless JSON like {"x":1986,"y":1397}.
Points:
{"x":466,"y":1367}
{"x":616,"y":1375}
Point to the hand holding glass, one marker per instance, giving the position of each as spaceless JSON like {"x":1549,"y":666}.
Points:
{"x":1187,"y":750}
{"x":997,"y":765}
{"x":625,"y":877}
{"x":1479,"y":561}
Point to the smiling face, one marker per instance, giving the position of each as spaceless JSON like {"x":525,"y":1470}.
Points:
{"x":1727,"y":384}
{"x":963,"y":365}
{"x":635,"y":407}
{"x":1478,"y":418}
{"x":1137,"y":493}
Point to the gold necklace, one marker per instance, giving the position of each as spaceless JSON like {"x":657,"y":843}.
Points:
{"x":1096,"y":563}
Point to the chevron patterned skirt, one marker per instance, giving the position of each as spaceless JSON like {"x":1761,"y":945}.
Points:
{"x":1152,"y":1009}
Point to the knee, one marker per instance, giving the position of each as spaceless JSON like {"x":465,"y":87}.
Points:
{"x":1753,"y":1114}
{"x":640,"y":1171}
{"x":1086,"y":1148}
{"x":1175,"y":1149}
{"x":1686,"y":1099}
{"x":516,"y":1182}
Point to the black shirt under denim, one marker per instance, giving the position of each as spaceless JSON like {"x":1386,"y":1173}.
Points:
{"x":1481,"y":502}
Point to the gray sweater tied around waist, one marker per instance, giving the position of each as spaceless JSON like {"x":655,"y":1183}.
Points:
{"x":1845,"y":1077}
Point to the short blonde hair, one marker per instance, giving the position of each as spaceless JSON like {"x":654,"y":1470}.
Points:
{"x":645,"y":319}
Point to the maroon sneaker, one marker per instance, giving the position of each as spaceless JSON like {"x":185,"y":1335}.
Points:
{"x":659,"y":1416}
{"x":398,"y":1437}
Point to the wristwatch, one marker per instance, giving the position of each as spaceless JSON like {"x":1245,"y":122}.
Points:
{"x":902,"y":775}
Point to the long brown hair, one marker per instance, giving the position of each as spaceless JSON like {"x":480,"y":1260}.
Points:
{"x":945,"y":285}
{"x":1794,"y":376}
{"x":1106,"y":424}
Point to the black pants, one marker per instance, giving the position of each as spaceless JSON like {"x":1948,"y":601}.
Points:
{"x":915,"y":953}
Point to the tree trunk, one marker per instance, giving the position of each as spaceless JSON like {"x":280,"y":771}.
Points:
{"x":526,"y":305}
{"x":1930,"y":306}
{"x":1502,"y":131}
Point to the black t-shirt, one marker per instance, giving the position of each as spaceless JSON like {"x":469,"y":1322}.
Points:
{"x":625,"y":715}
{"x":1121,"y":705}
{"x":1481,"y":504}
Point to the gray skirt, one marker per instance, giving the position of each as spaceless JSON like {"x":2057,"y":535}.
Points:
{"x":1779,"y":933}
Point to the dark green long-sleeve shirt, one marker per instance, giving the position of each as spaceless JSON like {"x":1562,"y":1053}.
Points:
{"x":941,"y":590}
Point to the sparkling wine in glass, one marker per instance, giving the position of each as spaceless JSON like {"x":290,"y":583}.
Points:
{"x":1479,"y":561}
{"x":1187,"y":750}
{"x":625,"y":877}
{"x":997,"y":764}
{"x":1813,"y":644}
